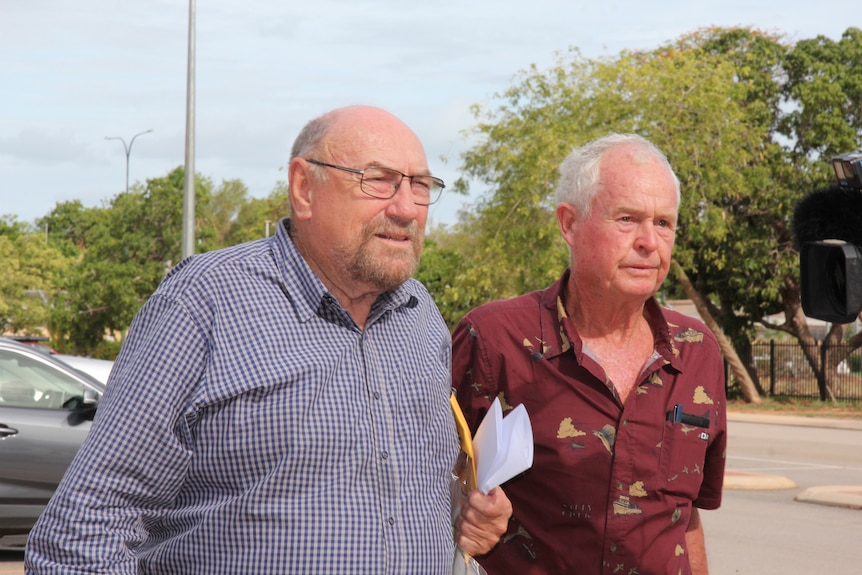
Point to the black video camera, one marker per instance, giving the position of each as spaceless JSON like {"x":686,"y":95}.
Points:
{"x":827,"y":226}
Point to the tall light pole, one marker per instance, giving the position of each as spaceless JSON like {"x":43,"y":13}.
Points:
{"x":188,"y":235}
{"x":128,"y":149}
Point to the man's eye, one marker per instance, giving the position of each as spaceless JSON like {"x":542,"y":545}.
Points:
{"x":421,"y":184}
{"x":381,"y":175}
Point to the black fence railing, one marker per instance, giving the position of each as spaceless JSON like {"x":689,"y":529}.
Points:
{"x":783,"y":371}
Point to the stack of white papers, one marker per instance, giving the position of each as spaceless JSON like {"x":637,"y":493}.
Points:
{"x":503,"y":446}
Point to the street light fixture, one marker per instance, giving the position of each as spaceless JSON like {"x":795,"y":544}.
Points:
{"x":128,"y":149}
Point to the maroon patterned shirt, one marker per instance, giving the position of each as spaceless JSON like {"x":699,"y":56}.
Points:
{"x":612,"y":486}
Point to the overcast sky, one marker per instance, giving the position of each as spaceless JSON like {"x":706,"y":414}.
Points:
{"x":74,"y":72}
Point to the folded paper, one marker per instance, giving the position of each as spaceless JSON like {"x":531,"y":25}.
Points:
{"x":503,"y":446}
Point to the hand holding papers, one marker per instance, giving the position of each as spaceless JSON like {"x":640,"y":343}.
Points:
{"x":503,"y":446}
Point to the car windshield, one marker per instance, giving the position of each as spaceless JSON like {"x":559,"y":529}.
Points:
{"x":28,"y":382}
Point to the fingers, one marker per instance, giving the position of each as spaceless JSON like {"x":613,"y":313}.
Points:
{"x":483,"y":519}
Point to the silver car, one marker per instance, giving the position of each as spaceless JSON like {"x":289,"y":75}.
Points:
{"x":46,"y":409}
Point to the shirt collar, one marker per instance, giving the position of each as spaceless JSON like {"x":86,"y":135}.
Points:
{"x":560,"y":340}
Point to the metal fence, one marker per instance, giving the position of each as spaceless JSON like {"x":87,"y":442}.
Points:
{"x":783,"y":371}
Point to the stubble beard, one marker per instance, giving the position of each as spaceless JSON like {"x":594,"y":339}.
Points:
{"x":380,"y":266}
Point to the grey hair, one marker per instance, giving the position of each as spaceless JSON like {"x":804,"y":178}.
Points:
{"x":579,"y":172}
{"x":309,"y":142}
{"x":310,"y":139}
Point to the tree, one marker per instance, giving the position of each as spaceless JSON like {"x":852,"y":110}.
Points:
{"x":219,"y":215}
{"x":68,"y":226}
{"x":11,"y":227}
{"x":258,"y":216}
{"x":91,"y":269}
{"x":127,"y":248}
{"x":716,"y":101}
{"x":437,"y":268}
{"x":30,"y":270}
{"x":683,"y":103}
{"x":824,"y":85}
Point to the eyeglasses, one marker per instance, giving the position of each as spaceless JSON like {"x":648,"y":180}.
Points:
{"x":383,"y":183}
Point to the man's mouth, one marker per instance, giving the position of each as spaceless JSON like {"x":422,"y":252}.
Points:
{"x":641,"y":268}
{"x":394,"y":237}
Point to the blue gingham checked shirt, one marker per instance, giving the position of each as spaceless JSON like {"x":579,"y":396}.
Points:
{"x":249,"y":426}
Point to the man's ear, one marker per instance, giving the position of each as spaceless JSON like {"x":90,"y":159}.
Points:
{"x":300,"y":188}
{"x":567,"y":220}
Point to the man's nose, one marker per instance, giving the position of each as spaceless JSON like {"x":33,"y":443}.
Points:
{"x":403,"y":202}
{"x":647,"y":237}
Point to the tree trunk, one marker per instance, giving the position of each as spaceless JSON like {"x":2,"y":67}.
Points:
{"x":813,"y":353}
{"x":746,"y":356}
{"x":737,"y":367}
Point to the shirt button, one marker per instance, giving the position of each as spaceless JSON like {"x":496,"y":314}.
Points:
{"x":391,"y":521}
{"x":614,"y":547}
{"x":376,"y":395}
{"x":620,"y":486}
{"x":385,"y":455}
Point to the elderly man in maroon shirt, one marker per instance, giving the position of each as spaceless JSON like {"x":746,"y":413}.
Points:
{"x":626,"y":397}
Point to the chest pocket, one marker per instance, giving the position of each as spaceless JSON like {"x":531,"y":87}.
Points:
{"x":683,"y":449}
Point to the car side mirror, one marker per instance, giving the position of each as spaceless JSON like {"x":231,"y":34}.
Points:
{"x":83,"y":407}
{"x":91,"y":397}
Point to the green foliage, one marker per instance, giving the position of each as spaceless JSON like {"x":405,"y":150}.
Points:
{"x":116,"y":256}
{"x":747,"y":120}
{"x":259,"y":216}
{"x":31,"y":269}
{"x":85,"y":272}
{"x":68,"y":226}
{"x":438,"y":265}
{"x":825,"y":78}
{"x":11,"y":228}
{"x":125,"y":250}
{"x":218,"y":216}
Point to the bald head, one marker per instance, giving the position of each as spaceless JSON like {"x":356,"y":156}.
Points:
{"x":362,"y":126}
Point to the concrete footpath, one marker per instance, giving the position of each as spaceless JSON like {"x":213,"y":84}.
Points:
{"x":849,"y":496}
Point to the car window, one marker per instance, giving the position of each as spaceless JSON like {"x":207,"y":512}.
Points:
{"x":27,"y":382}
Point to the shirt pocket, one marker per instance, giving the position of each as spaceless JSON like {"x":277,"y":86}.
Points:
{"x":683,"y":451}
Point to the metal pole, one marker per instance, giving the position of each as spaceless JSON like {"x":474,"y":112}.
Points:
{"x":188,"y":236}
{"x":128,"y":149}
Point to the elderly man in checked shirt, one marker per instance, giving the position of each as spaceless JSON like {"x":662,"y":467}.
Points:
{"x":282,"y":406}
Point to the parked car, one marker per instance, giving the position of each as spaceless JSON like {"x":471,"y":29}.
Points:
{"x":46,"y":410}
{"x":98,"y":368}
{"x":39,"y":342}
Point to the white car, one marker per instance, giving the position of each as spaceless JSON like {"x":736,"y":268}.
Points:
{"x":98,"y":368}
